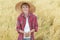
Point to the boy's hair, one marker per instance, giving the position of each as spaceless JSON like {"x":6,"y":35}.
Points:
{"x":25,"y":4}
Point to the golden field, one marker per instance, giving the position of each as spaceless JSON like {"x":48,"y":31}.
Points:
{"x":47,"y":11}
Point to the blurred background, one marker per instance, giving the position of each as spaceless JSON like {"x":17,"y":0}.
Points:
{"x":47,"y":12}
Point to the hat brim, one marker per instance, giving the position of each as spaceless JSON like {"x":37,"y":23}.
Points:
{"x":18,"y":6}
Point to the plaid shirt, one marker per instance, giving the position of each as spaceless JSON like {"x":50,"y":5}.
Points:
{"x":21,"y":21}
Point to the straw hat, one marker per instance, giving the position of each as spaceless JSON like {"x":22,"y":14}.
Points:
{"x":18,"y":6}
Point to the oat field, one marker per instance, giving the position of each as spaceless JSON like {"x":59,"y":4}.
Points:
{"x":47,"y":12}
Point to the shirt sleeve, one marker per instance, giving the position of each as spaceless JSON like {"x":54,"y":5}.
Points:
{"x":18,"y":25}
{"x":35,"y":24}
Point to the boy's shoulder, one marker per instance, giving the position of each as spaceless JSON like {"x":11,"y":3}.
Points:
{"x":34,"y":16}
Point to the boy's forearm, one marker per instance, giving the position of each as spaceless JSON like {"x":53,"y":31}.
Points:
{"x":21,"y":31}
{"x":33,"y":30}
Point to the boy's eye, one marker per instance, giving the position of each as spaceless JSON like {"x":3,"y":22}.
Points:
{"x":26,"y":7}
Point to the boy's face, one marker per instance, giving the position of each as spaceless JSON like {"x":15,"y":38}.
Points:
{"x":25,"y":8}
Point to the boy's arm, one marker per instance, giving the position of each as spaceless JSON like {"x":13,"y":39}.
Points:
{"x":18,"y":28}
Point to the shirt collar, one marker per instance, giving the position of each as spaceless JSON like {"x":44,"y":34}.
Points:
{"x":22,"y":14}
